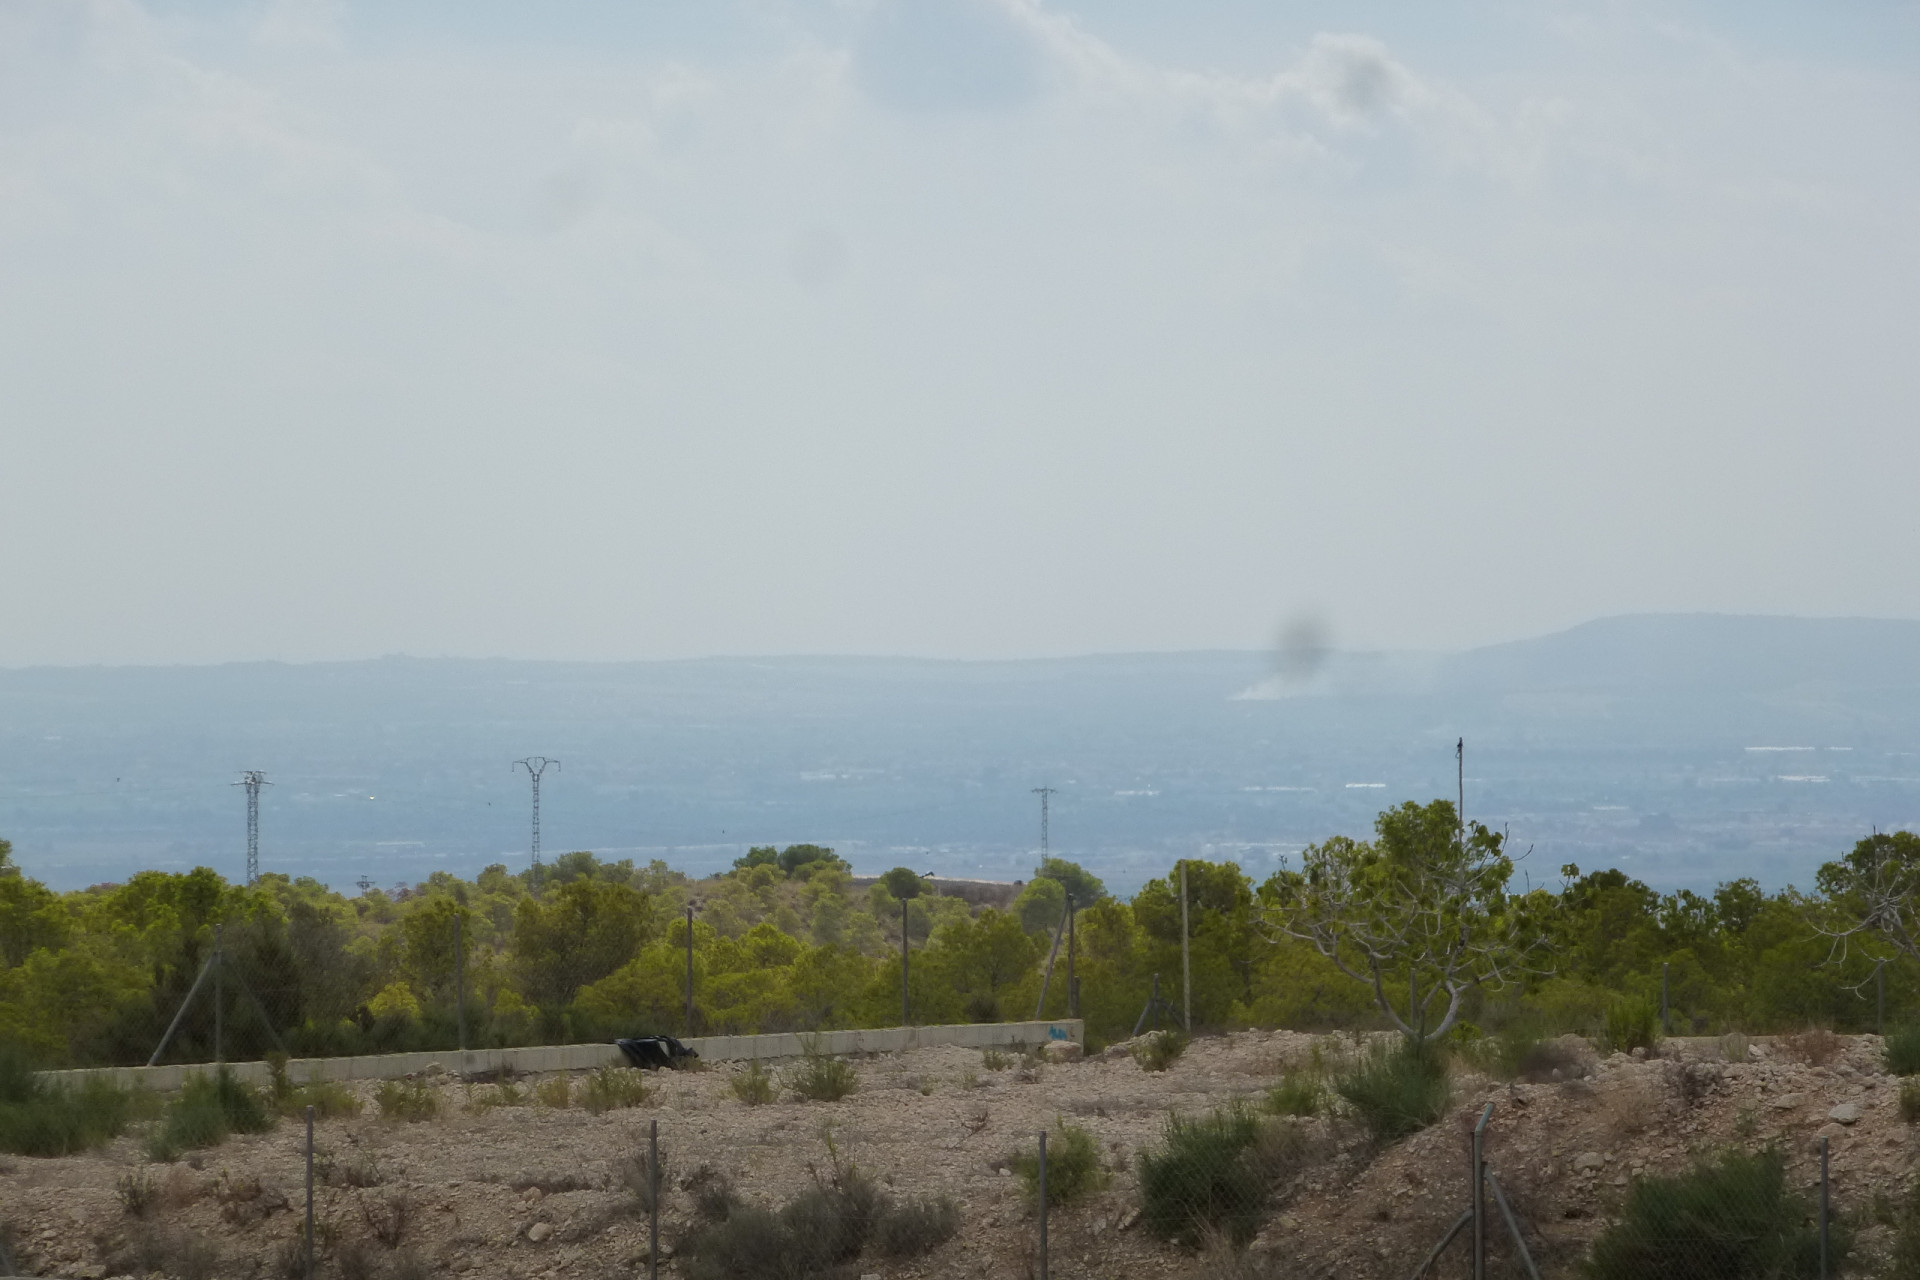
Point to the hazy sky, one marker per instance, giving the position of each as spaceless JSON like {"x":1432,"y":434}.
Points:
{"x":954,"y":327}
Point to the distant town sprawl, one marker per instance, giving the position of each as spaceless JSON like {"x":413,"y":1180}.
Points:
{"x":1419,"y":927}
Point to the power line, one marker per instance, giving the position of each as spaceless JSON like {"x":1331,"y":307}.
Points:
{"x":1045,"y":794}
{"x":253,"y":780}
{"x":535,"y":766}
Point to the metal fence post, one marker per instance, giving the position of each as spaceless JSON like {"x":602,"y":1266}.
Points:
{"x":689,"y":973}
{"x":1043,"y":1204}
{"x":653,"y":1201}
{"x":309,"y":1191}
{"x":1480,"y":1194}
{"x":460,"y":976}
{"x":1825,"y":1205}
{"x":906,"y":958}
{"x":1880,"y":995}
{"x":1666,"y":1018}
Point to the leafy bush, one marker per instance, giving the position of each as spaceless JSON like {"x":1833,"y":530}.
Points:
{"x":820,"y":1077}
{"x":1300,"y":1092}
{"x":751,"y":1244}
{"x":823,"y":1227}
{"x":995,"y":1060}
{"x":1902,"y":1050}
{"x":328,"y":1098}
{"x":1073,"y":1166}
{"x":1213,"y":1176}
{"x":1728,"y":1217}
{"x":1903,"y":1262}
{"x":1632,"y":1024}
{"x":611,"y":1088}
{"x":915,"y":1227}
{"x":1399,"y":1089}
{"x":409,"y":1100}
{"x":754,"y":1086}
{"x":209,"y":1110}
{"x":1160,"y":1050}
{"x":1910,"y":1101}
{"x":40,"y":1119}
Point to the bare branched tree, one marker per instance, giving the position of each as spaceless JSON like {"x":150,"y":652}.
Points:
{"x":1421,"y":915}
{"x":1872,"y":900}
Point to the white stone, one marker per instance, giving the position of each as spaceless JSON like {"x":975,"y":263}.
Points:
{"x":539,"y":1231}
{"x":1845,"y":1113}
{"x":1585,"y":1162}
{"x":1785,"y":1102}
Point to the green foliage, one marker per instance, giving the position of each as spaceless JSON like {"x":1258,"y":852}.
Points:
{"x":39,"y":1119}
{"x":821,"y":1077}
{"x":209,"y":1110}
{"x":612,"y":1088}
{"x":1397,"y":1089}
{"x":1902,"y":1050}
{"x":329,"y":1098}
{"x":903,"y":883}
{"x":1904,"y":1217}
{"x":555,"y":1091}
{"x":1910,"y":1101}
{"x":1632,"y":1024}
{"x":1300,"y":1091}
{"x":911,"y":1228}
{"x":410,"y":1101}
{"x":1084,"y":887}
{"x":1073,"y":1166}
{"x":825,"y":1226}
{"x":1159,"y":1050}
{"x":1733,"y":1216}
{"x":754,"y":1086}
{"x":1211,"y":1175}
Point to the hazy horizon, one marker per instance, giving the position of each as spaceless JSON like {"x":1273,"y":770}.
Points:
{"x":958,"y":328}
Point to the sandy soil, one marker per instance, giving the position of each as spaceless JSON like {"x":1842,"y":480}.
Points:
{"x":530,"y":1191}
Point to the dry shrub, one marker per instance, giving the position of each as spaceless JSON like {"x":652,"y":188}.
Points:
{"x":915,"y":1227}
{"x":712,"y":1191}
{"x":175,"y":1252}
{"x":387,"y":1218}
{"x":1629,"y":1107}
{"x":1816,"y":1046}
{"x":410,"y":1100}
{"x":754,"y":1086}
{"x":556,"y":1092}
{"x":1910,"y":1101}
{"x":611,"y":1088}
{"x":638,"y":1175}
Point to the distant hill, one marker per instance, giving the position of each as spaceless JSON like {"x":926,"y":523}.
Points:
{"x":1686,"y":748}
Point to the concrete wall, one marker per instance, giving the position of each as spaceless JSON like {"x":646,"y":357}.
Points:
{"x":534,"y":1059}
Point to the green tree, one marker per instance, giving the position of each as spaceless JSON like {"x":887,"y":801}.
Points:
{"x":1421,"y":914}
{"x":577,"y":934}
{"x":1084,"y":887}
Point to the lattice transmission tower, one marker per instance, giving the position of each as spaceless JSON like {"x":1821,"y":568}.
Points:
{"x":535,"y":766}
{"x":253,"y":780}
{"x":1045,"y":794}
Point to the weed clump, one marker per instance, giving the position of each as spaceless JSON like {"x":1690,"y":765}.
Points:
{"x":1300,"y":1091}
{"x":555,"y":1092}
{"x":411,"y":1101}
{"x":328,"y":1098}
{"x":1902,"y":1050}
{"x":1160,"y":1049}
{"x":40,"y":1119}
{"x":1214,"y":1175}
{"x":209,"y":1110}
{"x":1910,"y":1101}
{"x":1397,"y":1090}
{"x":1816,"y":1046}
{"x":1073,"y":1166}
{"x":915,"y":1227}
{"x":754,"y":1086}
{"x":820,"y":1077}
{"x":611,"y":1088}
{"x":1632,"y":1024}
{"x":1733,"y":1216}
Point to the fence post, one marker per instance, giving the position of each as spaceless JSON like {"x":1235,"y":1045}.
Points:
{"x":1043,"y":1204}
{"x":219,"y":1027}
{"x":1186,"y":961}
{"x":1073,"y":981}
{"x":460,"y":976}
{"x":1666,"y":1020}
{"x":1477,"y":1156}
{"x":906,"y":956}
{"x":1824,"y":1206}
{"x":653,"y":1201}
{"x":1880,"y":995}
{"x":309,"y":1191}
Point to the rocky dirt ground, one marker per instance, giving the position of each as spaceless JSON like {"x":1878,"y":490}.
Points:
{"x":526,"y":1191}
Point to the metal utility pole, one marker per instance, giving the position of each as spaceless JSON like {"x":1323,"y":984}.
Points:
{"x":689,"y":973}
{"x":1044,"y":793}
{"x":535,"y":766}
{"x":1460,"y":764}
{"x":253,"y":780}
{"x":1186,"y":958}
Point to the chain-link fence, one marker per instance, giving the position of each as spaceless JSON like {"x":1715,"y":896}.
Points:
{"x":1236,"y":1157}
